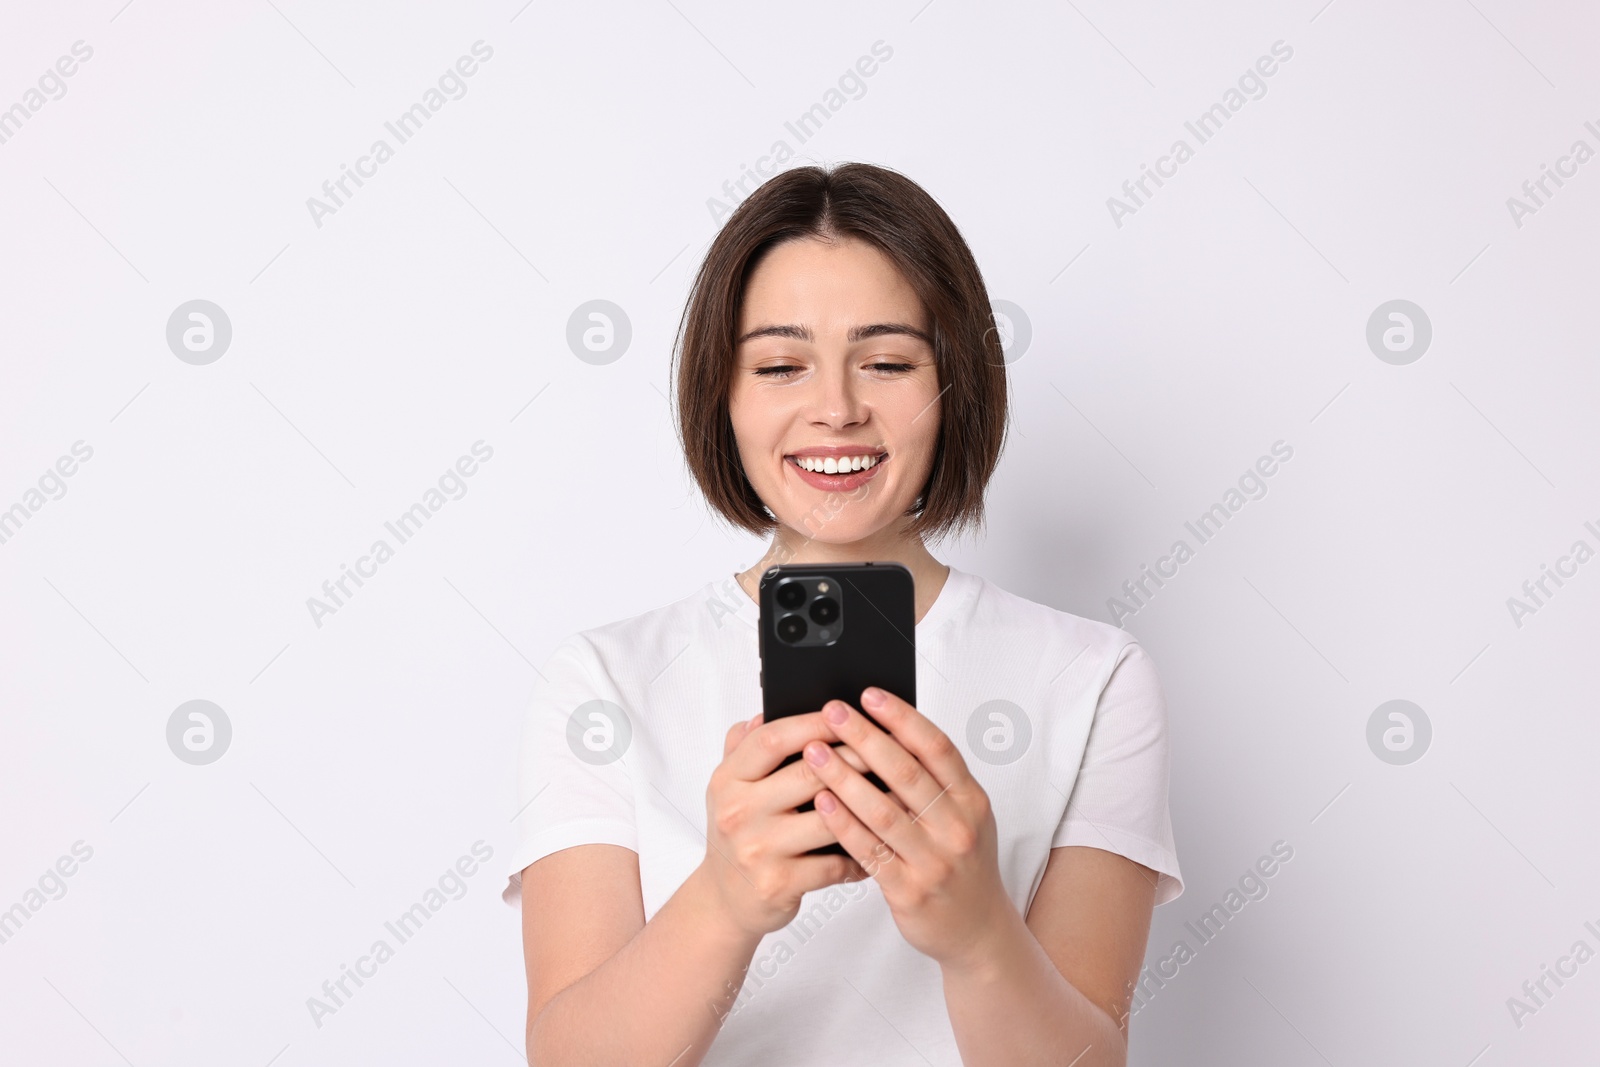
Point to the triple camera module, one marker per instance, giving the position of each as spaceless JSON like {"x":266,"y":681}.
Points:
{"x":809,"y":610}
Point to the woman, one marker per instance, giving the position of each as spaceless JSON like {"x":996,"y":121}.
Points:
{"x":671,"y":913}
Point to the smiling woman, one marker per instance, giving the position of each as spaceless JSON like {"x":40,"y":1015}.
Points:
{"x":830,"y":304}
{"x":841,"y":387}
{"x":784,"y":369}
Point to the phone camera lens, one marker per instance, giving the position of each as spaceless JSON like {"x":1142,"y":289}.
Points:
{"x":791,"y":628}
{"x":824,"y":610}
{"x":791,"y":595}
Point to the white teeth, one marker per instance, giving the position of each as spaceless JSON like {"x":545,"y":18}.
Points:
{"x":839,"y":465}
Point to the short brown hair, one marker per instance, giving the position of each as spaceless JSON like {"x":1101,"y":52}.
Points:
{"x":898,"y":217}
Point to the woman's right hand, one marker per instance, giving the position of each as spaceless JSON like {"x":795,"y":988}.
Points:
{"x":755,"y":840}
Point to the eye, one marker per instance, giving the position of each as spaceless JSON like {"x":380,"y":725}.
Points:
{"x":782,"y":371}
{"x":894,"y":366}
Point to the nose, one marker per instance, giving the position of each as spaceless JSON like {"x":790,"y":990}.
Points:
{"x":836,"y":400}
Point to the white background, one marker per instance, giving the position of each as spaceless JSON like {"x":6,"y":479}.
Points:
{"x":1167,"y":354}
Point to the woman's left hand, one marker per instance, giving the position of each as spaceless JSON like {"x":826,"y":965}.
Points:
{"x":931,"y":844}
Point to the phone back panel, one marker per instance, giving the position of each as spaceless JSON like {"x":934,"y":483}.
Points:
{"x":875,"y":644}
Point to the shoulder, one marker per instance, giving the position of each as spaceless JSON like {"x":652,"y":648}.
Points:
{"x":1050,"y":632}
{"x":642,"y":643}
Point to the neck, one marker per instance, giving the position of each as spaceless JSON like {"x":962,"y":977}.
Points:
{"x":790,"y":546}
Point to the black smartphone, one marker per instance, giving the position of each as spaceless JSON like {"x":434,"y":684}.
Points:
{"x":829,"y":630}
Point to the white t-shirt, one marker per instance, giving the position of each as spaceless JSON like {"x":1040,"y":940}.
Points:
{"x":1042,"y":704}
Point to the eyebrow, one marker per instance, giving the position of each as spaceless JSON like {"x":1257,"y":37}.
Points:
{"x":857,"y":333}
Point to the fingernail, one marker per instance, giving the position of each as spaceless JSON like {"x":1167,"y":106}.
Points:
{"x":835,"y":713}
{"x":872,"y":697}
{"x":818,"y":753}
{"x":826,"y":804}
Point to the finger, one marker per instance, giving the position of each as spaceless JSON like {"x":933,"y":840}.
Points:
{"x":735,"y":734}
{"x":875,"y":857}
{"x":852,"y":757}
{"x":899,"y":768}
{"x":918,"y":735}
{"x":796,"y":833}
{"x":891,"y":823}
{"x":818,"y":872}
{"x":788,"y":787}
{"x":766,"y":745}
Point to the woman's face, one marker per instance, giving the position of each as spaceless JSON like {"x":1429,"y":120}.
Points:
{"x":834,"y":357}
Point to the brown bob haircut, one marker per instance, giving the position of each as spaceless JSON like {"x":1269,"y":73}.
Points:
{"x":899,"y":218}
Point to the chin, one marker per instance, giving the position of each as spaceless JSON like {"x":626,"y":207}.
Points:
{"x":815,"y":526}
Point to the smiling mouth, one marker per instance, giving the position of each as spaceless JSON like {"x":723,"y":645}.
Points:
{"x":838,"y":465}
{"x":849,"y":472}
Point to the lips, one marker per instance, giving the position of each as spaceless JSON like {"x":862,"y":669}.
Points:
{"x":836,"y":482}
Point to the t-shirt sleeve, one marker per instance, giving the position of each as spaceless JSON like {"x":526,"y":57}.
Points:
{"x":573,"y":785}
{"x":1119,"y":801}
